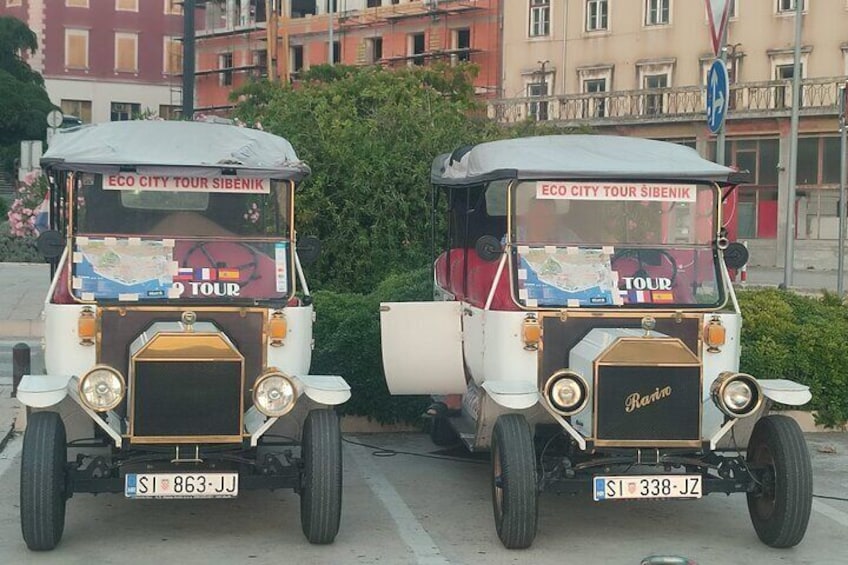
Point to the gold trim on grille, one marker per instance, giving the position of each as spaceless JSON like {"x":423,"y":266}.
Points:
{"x":184,"y":346}
{"x":653,"y":351}
{"x":170,"y":350}
{"x":682,"y":357}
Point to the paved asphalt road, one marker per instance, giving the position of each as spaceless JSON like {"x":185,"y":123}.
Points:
{"x":406,"y":509}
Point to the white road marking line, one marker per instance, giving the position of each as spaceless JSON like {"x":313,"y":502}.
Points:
{"x":410,"y":529}
{"x":7,"y":456}
{"x":837,"y":516}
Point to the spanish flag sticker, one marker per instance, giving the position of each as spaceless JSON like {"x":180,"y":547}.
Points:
{"x":228,"y":274}
{"x":662,"y":296}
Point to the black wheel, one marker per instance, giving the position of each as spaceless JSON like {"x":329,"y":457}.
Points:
{"x":441,"y":432}
{"x":514,"y":493}
{"x":43,"y":481}
{"x":780,"y":505}
{"x":321,"y":490}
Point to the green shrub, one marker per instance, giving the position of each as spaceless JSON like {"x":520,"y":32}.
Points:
{"x":802,"y":338}
{"x":18,"y":250}
{"x":347,"y":342}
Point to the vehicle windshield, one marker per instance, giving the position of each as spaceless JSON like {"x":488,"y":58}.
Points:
{"x":615,"y":244}
{"x":139,"y":205}
{"x":147,"y":237}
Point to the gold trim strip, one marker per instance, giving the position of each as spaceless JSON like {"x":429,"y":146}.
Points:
{"x":138,"y":440}
{"x":647,"y":443}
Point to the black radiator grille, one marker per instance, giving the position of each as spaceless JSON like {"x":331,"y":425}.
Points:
{"x":650,"y":404}
{"x":186,"y":398}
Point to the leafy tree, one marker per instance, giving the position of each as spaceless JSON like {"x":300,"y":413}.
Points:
{"x":25,"y":102}
{"x":370,"y":136}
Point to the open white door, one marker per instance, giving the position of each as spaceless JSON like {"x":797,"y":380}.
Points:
{"x":422,"y":347}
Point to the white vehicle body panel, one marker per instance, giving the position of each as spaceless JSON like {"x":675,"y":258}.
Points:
{"x":63,"y":353}
{"x":295,"y":355}
{"x":422,"y":347}
{"x":501,"y":348}
{"x":41,"y":391}
{"x":727,"y":359}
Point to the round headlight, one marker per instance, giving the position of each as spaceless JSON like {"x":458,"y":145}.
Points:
{"x":102,"y":388}
{"x":566,"y":392}
{"x":736,"y":394}
{"x":274,"y":394}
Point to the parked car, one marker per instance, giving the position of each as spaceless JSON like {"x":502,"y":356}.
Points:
{"x":586,"y":331}
{"x":178,"y":328}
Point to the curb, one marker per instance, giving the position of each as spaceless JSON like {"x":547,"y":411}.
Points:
{"x":22,"y":329}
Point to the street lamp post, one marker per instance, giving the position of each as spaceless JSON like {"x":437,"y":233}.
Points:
{"x":843,"y":127}
{"x":188,"y":59}
{"x":789,"y":258}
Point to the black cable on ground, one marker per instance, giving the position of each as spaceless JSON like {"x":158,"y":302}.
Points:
{"x":839,"y":498}
{"x":383,"y":452}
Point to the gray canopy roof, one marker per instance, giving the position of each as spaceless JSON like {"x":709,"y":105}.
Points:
{"x":189,"y":148}
{"x":577,"y":157}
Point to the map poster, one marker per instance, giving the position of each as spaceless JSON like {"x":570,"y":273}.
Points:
{"x":566,"y":277}
{"x":122,"y":269}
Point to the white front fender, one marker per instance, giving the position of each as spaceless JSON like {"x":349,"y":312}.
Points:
{"x":41,"y":391}
{"x":516,"y":395}
{"x":785,"y":391}
{"x":327,"y":390}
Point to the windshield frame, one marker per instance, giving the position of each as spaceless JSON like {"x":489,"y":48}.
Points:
{"x":72,"y":181}
{"x":511,"y":248}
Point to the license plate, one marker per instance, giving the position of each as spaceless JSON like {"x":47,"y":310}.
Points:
{"x":647,"y":486}
{"x":181,"y":485}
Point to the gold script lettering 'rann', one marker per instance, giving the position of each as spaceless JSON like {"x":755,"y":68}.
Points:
{"x":636,"y":400}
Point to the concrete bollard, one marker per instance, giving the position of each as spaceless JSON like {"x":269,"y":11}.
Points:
{"x":21,"y":360}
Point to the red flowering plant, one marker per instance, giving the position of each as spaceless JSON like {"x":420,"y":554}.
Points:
{"x":29,"y":202}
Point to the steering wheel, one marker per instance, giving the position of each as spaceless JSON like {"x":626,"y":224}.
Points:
{"x":640,"y":256}
{"x":251,"y":267}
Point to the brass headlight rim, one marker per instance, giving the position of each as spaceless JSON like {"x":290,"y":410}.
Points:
{"x":562,"y":374}
{"x":265,"y":375}
{"x":110,"y":369}
{"x":720,"y":384}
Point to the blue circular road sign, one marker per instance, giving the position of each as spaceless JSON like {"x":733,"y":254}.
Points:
{"x":718,"y":94}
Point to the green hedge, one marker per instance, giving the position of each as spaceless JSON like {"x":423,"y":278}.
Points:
{"x":347,"y":342}
{"x":803,"y":338}
{"x":18,"y":250}
{"x":783,"y":336}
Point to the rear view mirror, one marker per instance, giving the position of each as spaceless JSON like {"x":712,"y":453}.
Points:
{"x":50,"y":243}
{"x":736,"y":255}
{"x":308,"y":249}
{"x":488,"y":248}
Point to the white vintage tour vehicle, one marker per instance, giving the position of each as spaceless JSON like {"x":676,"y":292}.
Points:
{"x":178,"y":328}
{"x":586,"y":331}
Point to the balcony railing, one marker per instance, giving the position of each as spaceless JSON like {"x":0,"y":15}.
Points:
{"x":819,"y":96}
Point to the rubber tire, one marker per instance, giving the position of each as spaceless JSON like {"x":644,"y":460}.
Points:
{"x":441,"y":432}
{"x":778,"y":441}
{"x":321,"y":490}
{"x":43,"y":481}
{"x":515,"y":496}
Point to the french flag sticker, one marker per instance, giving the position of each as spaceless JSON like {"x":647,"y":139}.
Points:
{"x":205,"y":274}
